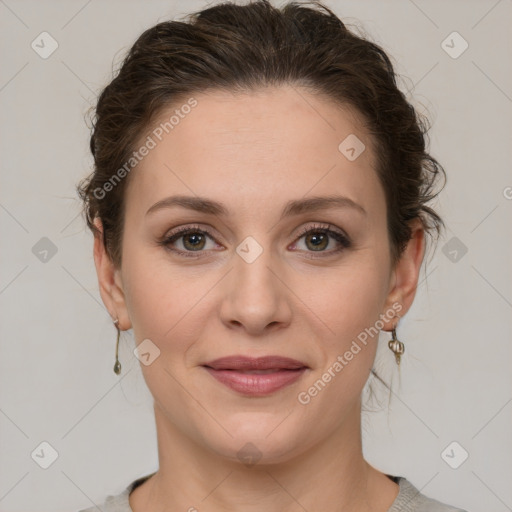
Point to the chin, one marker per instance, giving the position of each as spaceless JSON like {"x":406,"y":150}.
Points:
{"x":258,"y":439}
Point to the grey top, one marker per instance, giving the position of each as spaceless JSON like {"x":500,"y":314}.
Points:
{"x":409,"y":499}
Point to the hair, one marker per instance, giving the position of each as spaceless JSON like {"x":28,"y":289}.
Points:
{"x":242,"y":48}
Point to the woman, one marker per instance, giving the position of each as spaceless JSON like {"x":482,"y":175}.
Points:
{"x":259,"y":207}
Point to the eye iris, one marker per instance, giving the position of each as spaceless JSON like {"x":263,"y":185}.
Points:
{"x":318,"y":238}
{"x":193,"y":236}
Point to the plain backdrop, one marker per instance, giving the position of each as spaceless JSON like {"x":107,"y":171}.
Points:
{"x":57,"y":341}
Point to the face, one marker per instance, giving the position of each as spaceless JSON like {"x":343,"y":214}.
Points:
{"x":259,"y":273}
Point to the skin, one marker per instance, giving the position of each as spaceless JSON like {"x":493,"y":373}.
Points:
{"x":253,"y":153}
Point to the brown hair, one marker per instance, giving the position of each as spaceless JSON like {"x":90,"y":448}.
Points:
{"x":241,"y":48}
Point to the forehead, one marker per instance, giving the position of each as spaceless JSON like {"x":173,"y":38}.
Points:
{"x":270,"y":144}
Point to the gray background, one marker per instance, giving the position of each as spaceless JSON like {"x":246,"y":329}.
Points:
{"x":57,"y":341}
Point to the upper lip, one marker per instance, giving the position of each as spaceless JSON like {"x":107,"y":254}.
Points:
{"x":239,"y":362}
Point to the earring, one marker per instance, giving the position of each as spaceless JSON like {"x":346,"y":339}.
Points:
{"x":396,"y":346}
{"x":117,"y":365}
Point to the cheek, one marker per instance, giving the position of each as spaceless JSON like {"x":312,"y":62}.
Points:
{"x":350,"y":299}
{"x":164,"y":307}
{"x":349,"y":305}
{"x":168,"y":305}
{"x":156,"y":295}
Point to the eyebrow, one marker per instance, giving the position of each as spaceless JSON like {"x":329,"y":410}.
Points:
{"x":293,"y":207}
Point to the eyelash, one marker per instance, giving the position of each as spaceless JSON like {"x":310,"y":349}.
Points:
{"x":180,"y":232}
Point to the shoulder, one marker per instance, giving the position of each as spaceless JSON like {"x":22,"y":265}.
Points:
{"x":410,"y":499}
{"x":118,"y":502}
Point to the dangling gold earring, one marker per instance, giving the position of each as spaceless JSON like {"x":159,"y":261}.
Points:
{"x":117,"y":365}
{"x":396,"y":346}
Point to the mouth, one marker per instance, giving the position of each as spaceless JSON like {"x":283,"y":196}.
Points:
{"x":256,"y":376}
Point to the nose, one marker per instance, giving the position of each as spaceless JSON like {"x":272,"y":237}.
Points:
{"x":256,"y":298}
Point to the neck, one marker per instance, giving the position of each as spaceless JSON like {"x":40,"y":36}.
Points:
{"x":331,"y":476}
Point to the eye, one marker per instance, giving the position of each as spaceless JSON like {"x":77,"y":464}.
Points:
{"x":192,"y":239}
{"x":318,"y":238}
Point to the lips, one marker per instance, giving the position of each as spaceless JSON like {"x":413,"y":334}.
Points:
{"x":256,"y":376}
{"x":255,"y":364}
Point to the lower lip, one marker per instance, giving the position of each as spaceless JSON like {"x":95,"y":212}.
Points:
{"x":254,"y":384}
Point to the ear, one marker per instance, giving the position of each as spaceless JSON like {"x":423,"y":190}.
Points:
{"x":110,"y":281}
{"x":404,"y":277}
